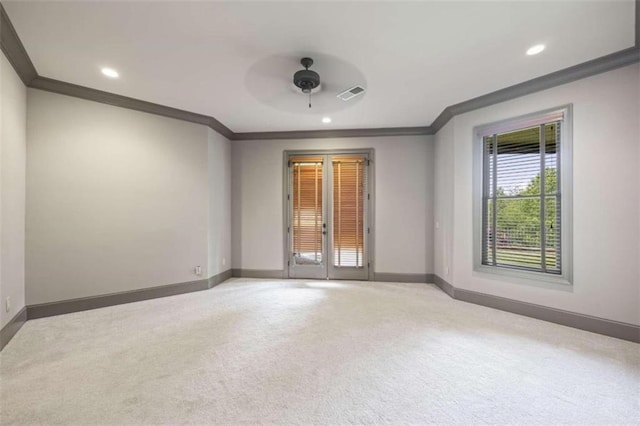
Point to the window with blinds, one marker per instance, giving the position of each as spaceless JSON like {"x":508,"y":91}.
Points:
{"x":521,"y":197}
{"x":307,"y":218}
{"x":349,"y":179}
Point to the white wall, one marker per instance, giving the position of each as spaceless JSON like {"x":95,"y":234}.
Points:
{"x":403,"y":170}
{"x":606,"y":197}
{"x":13,"y":113}
{"x":219,"y":154}
{"x":116,"y":199}
{"x":443,"y":197}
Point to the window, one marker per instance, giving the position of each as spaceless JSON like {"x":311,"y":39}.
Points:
{"x":522,"y":198}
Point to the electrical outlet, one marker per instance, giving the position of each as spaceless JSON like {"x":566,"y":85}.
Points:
{"x":224,"y":261}
{"x":7,"y":304}
{"x":198,"y":270}
{"x":446,"y":270}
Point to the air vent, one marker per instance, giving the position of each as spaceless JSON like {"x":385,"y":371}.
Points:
{"x":351,"y":93}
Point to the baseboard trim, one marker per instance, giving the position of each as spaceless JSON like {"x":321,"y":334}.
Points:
{"x":378,"y":276}
{"x":258,"y":273}
{"x":336,"y":133}
{"x":102,"y":301}
{"x":392,"y":277}
{"x":220,"y":278}
{"x":597,"y":325}
{"x":444,"y":286}
{"x":12,"y":327}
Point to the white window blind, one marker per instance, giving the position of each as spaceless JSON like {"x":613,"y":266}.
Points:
{"x":521,"y":197}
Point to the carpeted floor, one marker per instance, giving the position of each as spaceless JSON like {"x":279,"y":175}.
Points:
{"x":321,"y":352}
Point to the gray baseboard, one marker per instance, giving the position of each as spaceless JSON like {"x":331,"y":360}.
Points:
{"x":102,"y":301}
{"x":392,"y":277}
{"x":378,"y":276}
{"x":220,"y":278}
{"x":444,"y":286}
{"x":12,"y":327}
{"x":603,"y":326}
{"x":258,"y":273}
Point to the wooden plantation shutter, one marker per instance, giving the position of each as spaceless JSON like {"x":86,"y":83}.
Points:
{"x":307,"y":210}
{"x":349,"y":178}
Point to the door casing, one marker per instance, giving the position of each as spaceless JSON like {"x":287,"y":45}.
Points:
{"x":370,"y":212}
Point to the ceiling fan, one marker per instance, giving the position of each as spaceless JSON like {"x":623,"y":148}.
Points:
{"x":308,"y":81}
{"x":278,"y":82}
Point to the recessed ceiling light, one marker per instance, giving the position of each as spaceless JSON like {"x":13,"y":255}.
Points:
{"x":110,"y":72}
{"x":326,"y":120}
{"x":534,"y":50}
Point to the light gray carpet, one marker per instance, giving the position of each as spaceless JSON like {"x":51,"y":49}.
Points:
{"x":265,"y":351}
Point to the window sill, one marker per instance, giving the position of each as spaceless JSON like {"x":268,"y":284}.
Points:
{"x":526,"y":276}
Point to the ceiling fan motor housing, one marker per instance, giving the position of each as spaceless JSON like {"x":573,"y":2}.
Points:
{"x":306,"y":79}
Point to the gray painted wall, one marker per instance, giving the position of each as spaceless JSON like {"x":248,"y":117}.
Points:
{"x":120,"y":200}
{"x":117,"y":199}
{"x":13,"y":113}
{"x":403,"y":200}
{"x":606,"y":197}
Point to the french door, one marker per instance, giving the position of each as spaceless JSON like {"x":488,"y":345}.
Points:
{"x":328,"y":223}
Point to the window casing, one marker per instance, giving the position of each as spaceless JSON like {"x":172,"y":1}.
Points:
{"x":522,"y":197}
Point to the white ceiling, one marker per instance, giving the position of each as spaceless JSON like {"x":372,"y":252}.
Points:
{"x":416,"y":57}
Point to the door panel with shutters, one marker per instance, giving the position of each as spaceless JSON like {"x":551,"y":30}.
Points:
{"x":328,"y":223}
{"x":348,"y":221}
{"x":307,"y":227}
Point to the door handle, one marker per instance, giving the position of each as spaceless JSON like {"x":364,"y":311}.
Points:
{"x":324,"y":229}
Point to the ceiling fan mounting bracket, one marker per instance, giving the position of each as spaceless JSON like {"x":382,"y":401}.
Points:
{"x":306,"y":62}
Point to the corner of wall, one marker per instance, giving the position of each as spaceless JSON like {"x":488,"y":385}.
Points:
{"x":219,"y":218}
{"x":13,"y":125}
{"x":431,"y":208}
{"x":444,"y":167}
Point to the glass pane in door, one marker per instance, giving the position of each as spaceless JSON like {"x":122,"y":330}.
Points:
{"x":307,"y":210}
{"x":348,"y":239}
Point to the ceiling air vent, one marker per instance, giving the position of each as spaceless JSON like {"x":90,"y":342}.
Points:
{"x":351,"y":93}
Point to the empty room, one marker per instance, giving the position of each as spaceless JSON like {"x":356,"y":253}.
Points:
{"x":319,"y":212}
